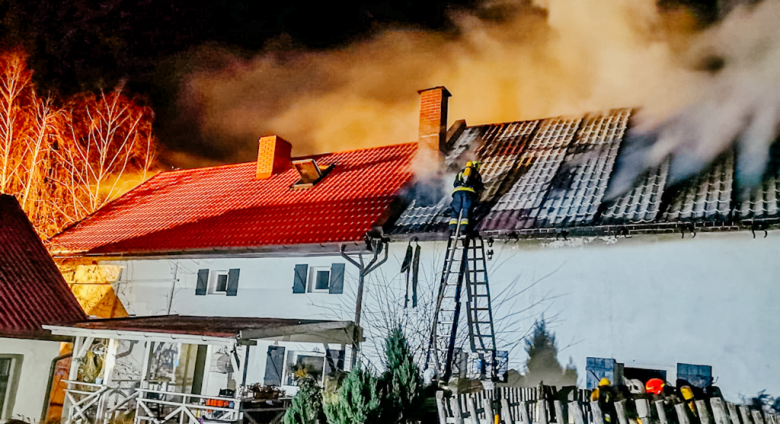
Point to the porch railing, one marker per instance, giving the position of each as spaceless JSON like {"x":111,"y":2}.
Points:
{"x":93,"y":403}
{"x":157,"y":407}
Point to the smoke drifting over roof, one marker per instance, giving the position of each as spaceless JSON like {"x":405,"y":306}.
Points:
{"x":511,"y":60}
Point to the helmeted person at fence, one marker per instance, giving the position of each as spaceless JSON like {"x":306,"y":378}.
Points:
{"x":468,"y":186}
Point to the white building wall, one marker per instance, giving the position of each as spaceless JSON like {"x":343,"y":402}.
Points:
{"x":264,"y":289}
{"x":26,"y":402}
{"x":647,"y":301}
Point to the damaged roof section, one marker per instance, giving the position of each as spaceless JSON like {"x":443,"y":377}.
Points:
{"x":547,"y":175}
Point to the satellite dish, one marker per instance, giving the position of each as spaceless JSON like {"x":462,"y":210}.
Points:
{"x":223,"y":364}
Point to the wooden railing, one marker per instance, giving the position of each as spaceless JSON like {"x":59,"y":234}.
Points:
{"x":157,"y":407}
{"x":97,"y":403}
{"x":525,"y":406}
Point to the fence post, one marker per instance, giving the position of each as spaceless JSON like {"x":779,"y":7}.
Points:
{"x":542,"y":405}
{"x":743,"y":411}
{"x":659,"y":407}
{"x":620,"y":411}
{"x":643,"y":411}
{"x":441,"y":407}
{"x":704,"y":413}
{"x":487,"y":406}
{"x":471,"y":404}
{"x":524,"y":412}
{"x":757,"y":417}
{"x":719,"y":411}
{"x":506,"y":413}
{"x":595,"y":409}
{"x":733,"y":414}
{"x":682,"y":413}
{"x":574,"y":409}
{"x":559,"y":418}
{"x":455,"y":406}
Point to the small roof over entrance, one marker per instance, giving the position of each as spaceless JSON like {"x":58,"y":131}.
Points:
{"x":213,"y":330}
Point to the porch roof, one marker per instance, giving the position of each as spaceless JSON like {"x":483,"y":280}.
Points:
{"x":212,"y":330}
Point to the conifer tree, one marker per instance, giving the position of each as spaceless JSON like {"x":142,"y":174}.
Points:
{"x":359,"y":400}
{"x":542,"y":365}
{"x":306,"y":406}
{"x":403,"y":380}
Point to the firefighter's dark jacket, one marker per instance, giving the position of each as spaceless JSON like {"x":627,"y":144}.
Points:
{"x":468,"y":180}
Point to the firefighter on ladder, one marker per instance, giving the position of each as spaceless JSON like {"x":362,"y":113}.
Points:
{"x":468,"y":185}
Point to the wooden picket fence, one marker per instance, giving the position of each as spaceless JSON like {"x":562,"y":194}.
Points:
{"x":526,"y":406}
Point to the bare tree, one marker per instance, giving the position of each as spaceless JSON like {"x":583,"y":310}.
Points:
{"x":65,"y":162}
{"x":15,"y":84}
{"x":513,"y":311}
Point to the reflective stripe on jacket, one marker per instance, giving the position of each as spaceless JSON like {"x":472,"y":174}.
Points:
{"x":468,"y":180}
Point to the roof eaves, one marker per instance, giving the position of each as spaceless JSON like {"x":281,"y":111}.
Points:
{"x":316,"y":249}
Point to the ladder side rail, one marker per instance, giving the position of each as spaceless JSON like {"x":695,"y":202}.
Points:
{"x":456,"y":314}
{"x":442,"y":289}
{"x":474,"y":306}
{"x":490,"y":314}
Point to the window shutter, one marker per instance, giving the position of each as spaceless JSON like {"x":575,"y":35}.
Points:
{"x":274,"y":364}
{"x":336,"y":279}
{"x":232,"y":285}
{"x":299,"y":285}
{"x":203,"y":282}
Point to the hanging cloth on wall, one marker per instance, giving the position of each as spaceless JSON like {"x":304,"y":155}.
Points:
{"x":415,"y":273}
{"x":406,"y":267}
{"x":411,"y":266}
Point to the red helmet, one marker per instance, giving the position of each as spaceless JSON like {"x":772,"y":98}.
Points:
{"x":655,"y":386}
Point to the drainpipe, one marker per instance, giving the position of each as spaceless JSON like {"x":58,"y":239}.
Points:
{"x":377,"y":245}
{"x":173,"y":286}
{"x":52,"y":369}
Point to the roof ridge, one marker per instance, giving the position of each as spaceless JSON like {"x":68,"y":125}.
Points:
{"x":314,"y":155}
{"x":582,"y":115}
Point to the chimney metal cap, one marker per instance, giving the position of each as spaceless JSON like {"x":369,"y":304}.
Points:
{"x":443,"y":89}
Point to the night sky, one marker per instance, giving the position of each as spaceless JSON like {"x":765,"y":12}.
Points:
{"x":78,"y":45}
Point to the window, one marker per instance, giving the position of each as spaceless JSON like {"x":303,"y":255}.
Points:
{"x":314,"y":364}
{"x":319,"y":279}
{"x":10,"y":366}
{"x":304,"y":364}
{"x":218,"y":282}
{"x":5,"y":378}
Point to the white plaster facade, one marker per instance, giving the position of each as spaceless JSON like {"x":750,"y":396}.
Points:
{"x":29,"y":377}
{"x":649,"y":301}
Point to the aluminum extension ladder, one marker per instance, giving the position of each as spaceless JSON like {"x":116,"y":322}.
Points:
{"x":465,"y":260}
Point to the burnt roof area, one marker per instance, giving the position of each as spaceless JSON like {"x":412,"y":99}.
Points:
{"x":551,"y":177}
{"x":32,"y":290}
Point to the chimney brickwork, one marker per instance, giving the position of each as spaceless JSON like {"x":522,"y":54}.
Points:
{"x":273,"y":156}
{"x":433,"y":118}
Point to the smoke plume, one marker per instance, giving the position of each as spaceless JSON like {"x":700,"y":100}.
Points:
{"x":698,"y":90}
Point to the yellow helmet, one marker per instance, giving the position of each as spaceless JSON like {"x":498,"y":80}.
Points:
{"x":473,"y":164}
{"x":604,"y":382}
{"x":686,"y":392}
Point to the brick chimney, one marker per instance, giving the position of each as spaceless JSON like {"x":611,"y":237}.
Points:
{"x":433,"y":120}
{"x":273,"y":156}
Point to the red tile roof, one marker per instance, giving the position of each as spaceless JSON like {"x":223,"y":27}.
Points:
{"x":226,"y":207}
{"x":32,"y":290}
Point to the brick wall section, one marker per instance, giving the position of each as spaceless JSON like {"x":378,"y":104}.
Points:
{"x":433,"y":118}
{"x":273,"y":156}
